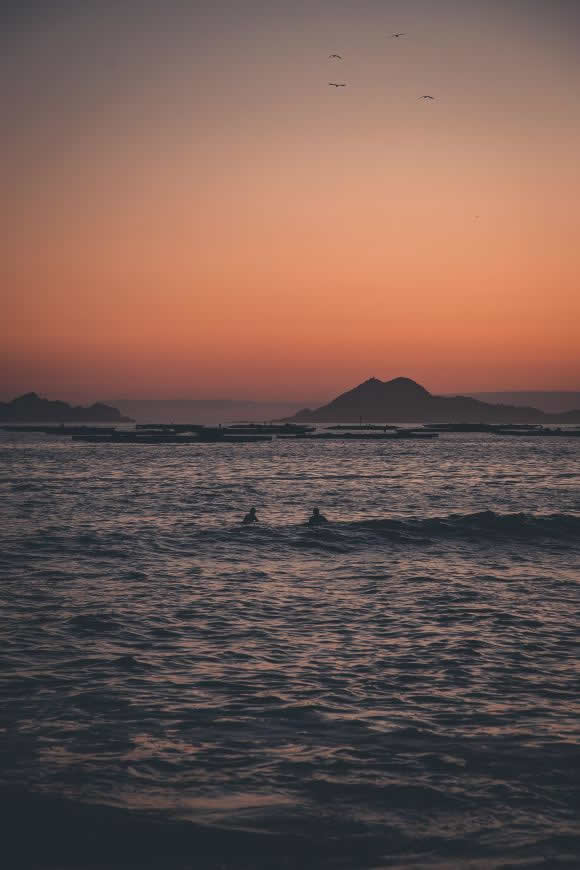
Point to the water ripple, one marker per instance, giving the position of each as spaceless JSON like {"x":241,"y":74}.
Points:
{"x":397,"y":689}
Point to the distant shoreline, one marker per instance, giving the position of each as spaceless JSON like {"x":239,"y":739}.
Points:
{"x":401,"y":398}
{"x":31,"y":408}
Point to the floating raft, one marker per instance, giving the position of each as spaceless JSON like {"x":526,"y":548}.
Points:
{"x":481,"y":427}
{"x":360,"y":427}
{"x":399,"y":435}
{"x":201,"y":438}
{"x":170,"y":427}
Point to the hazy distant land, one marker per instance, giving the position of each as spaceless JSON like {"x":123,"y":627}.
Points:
{"x":31,"y":408}
{"x":211,"y":411}
{"x":551,"y":401}
{"x":398,"y":400}
{"x":403,"y":400}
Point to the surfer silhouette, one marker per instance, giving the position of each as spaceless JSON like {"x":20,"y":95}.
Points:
{"x":250,"y":517}
{"x":317,"y":518}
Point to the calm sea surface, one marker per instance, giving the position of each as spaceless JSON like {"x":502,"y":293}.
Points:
{"x":398,"y":689}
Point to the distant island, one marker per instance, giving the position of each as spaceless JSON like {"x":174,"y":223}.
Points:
{"x":31,"y":408}
{"x":402,"y":400}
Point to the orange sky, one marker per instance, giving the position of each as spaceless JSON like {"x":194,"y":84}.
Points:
{"x":189,"y":210}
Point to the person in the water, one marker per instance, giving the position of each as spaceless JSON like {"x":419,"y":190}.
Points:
{"x":317,"y":518}
{"x":250,"y":517}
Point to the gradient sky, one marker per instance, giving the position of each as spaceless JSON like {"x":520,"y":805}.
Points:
{"x":189,"y":210}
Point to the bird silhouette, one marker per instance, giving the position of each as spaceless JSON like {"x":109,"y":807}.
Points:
{"x":397,"y":35}
{"x":426,"y":97}
{"x":336,"y":56}
{"x":337,"y":84}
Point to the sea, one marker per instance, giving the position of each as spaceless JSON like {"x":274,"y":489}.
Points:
{"x":397,"y":689}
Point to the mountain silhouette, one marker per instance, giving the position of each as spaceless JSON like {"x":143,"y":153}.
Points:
{"x":402,"y":400}
{"x":31,"y":408}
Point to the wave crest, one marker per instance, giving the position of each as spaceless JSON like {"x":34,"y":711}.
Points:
{"x":483,"y":524}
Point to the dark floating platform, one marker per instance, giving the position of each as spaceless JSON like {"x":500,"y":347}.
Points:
{"x":523,"y":430}
{"x":361,"y":427}
{"x":200,"y":438}
{"x":399,"y":435}
{"x":197,"y":434}
{"x":250,"y":433}
{"x":481,"y":427}
{"x":170,"y":427}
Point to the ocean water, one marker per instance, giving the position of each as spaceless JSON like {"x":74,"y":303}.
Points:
{"x":398,"y":689}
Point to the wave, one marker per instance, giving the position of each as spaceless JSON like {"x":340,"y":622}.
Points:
{"x":556,"y":531}
{"x":483,"y":524}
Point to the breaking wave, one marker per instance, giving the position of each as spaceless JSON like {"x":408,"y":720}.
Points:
{"x":484,"y":524}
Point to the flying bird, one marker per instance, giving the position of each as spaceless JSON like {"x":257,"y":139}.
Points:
{"x":336,"y":84}
{"x":426,"y":97}
{"x":336,"y":56}
{"x":397,"y":35}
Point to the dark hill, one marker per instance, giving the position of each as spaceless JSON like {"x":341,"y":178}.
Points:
{"x":404,"y":401}
{"x":30,"y":408}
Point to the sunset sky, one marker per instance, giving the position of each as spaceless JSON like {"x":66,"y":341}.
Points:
{"x":189,"y":210}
